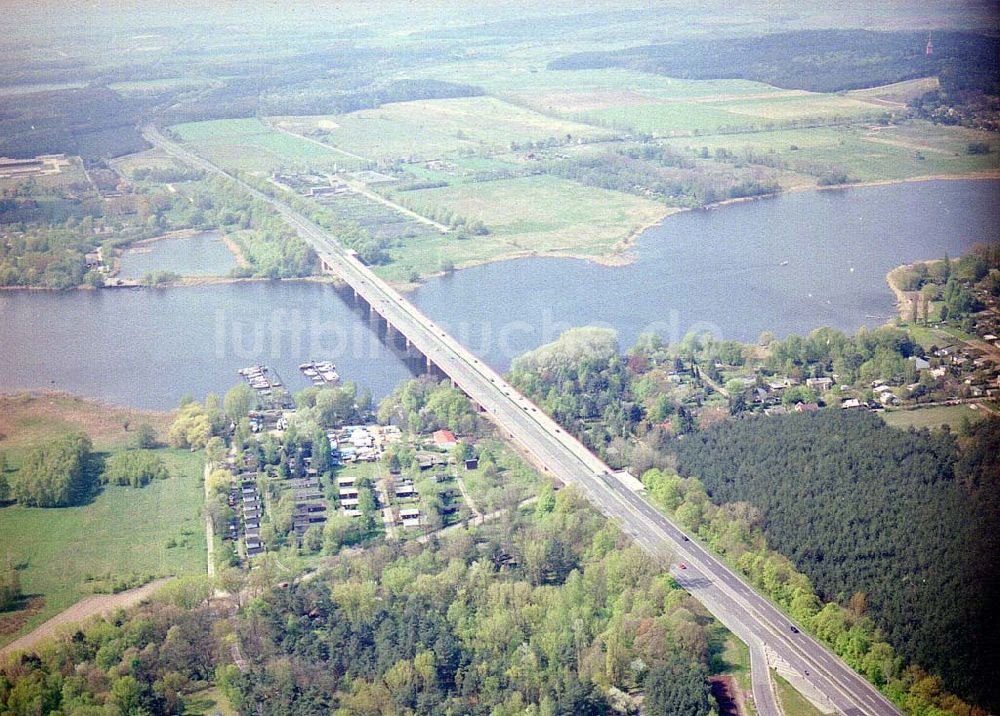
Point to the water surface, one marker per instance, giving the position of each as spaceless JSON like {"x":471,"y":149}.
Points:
{"x":723,"y":270}
{"x":786,"y":265}
{"x":148,"y":347}
{"x":203,"y":254}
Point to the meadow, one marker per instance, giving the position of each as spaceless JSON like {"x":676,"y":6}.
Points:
{"x":123,"y":536}
{"x":933,"y":417}
{"x":534,"y":215}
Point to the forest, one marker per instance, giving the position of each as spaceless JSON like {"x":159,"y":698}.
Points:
{"x":552,"y":611}
{"x":98,"y":123}
{"x":48,"y":249}
{"x":93,"y":122}
{"x":908,"y":526}
{"x":651,"y":170}
{"x":908,"y":520}
{"x":814,"y":60}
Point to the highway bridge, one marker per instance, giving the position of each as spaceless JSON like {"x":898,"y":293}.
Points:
{"x":771,"y":636}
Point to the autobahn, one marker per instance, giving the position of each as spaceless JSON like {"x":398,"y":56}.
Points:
{"x":747,"y":614}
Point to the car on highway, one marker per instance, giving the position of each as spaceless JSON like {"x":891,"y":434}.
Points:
{"x":682,"y":565}
{"x":795,"y":630}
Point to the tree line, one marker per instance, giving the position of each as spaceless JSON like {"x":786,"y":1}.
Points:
{"x":814,"y":60}
{"x":906,"y":519}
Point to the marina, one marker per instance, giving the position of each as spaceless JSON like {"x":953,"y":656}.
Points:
{"x":320,"y":372}
{"x":262,"y":379}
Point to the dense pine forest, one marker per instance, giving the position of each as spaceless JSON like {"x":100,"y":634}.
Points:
{"x":907,"y":520}
{"x":815,"y":60}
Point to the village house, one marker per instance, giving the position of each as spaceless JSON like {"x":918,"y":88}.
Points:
{"x":445,"y":439}
{"x":819,"y":384}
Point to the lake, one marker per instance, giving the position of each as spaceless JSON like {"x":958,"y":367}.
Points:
{"x":785,"y":265}
{"x":148,"y":347}
{"x":203,"y":254}
{"x":722,"y":270}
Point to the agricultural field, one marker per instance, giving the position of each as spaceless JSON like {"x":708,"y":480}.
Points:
{"x":433,"y":128}
{"x":249,"y":144}
{"x":123,"y":534}
{"x":897,"y":93}
{"x":533,"y":215}
{"x":671,"y":119}
{"x":913,"y":149}
{"x":529,"y":82}
{"x":140,"y":87}
{"x":733,"y":112}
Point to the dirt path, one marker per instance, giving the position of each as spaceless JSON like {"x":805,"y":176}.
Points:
{"x":209,"y":527}
{"x":87,"y":607}
{"x":468,"y":498}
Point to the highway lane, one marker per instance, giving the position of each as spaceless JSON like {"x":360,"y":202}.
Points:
{"x":750,"y":616}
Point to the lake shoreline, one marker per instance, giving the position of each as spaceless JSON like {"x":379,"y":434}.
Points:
{"x":618,"y":255}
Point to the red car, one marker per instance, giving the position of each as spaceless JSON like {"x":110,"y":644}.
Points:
{"x":682,"y":565}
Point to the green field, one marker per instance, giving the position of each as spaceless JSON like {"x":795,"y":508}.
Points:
{"x":125,"y":531}
{"x":933,"y":417}
{"x":251,"y":144}
{"x":157,"y":85}
{"x":675,"y":118}
{"x":731,"y":109}
{"x":433,"y":128}
{"x":208,"y":702}
{"x":913,"y":149}
{"x":534,"y":215}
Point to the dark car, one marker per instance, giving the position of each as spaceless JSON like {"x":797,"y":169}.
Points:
{"x":795,"y":630}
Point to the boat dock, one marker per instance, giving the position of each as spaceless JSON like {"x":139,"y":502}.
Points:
{"x":262,"y":379}
{"x":320,"y":372}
